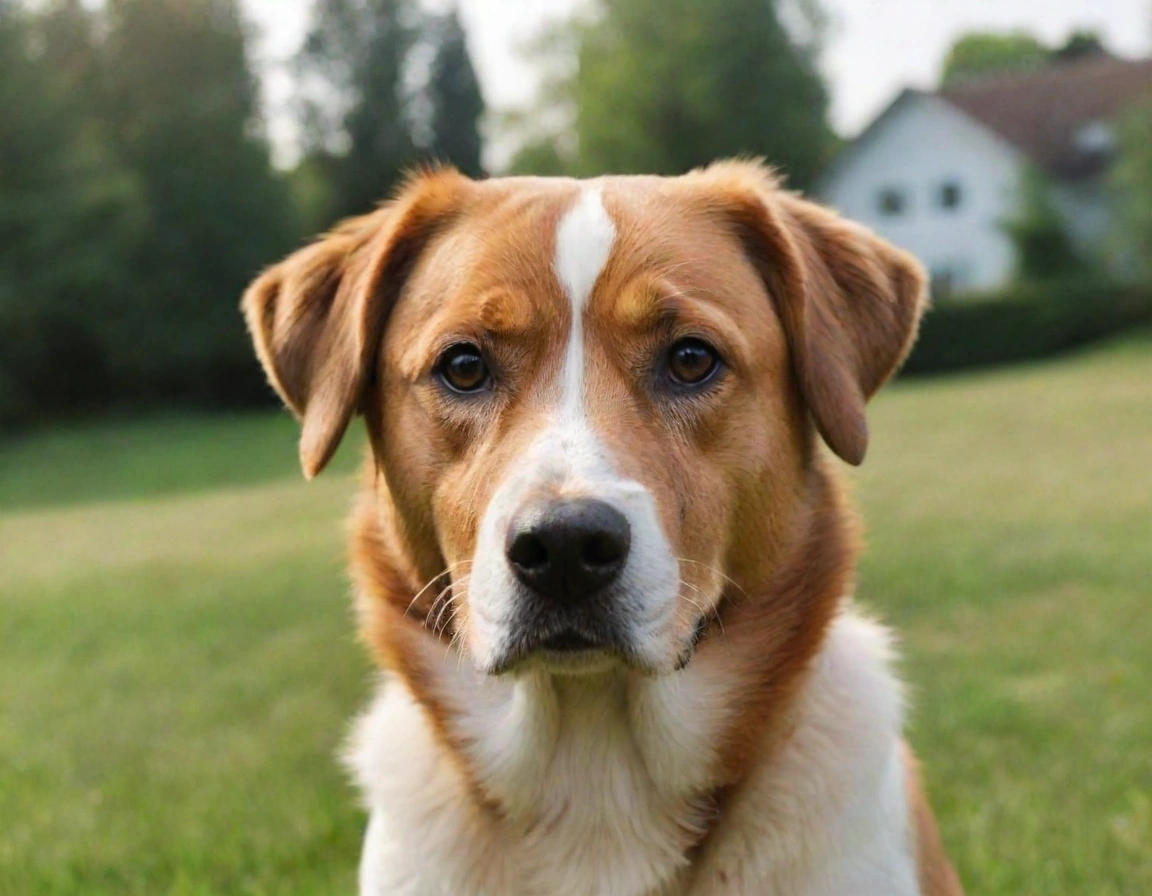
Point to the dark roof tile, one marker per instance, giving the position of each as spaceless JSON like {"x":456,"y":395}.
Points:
{"x":1044,"y":113}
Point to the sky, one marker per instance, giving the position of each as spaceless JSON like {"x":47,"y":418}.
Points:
{"x":875,"y":47}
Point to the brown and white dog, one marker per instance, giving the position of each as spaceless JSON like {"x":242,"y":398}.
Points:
{"x":599,"y":551}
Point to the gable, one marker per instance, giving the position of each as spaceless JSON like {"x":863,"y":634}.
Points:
{"x":935,"y":182}
{"x":917,"y":130}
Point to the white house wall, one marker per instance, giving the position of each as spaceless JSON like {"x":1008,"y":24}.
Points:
{"x":919,"y":145}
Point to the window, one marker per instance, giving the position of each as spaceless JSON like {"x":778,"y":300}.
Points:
{"x":892,"y":202}
{"x":949,"y":278}
{"x":949,"y":196}
{"x":1095,"y":138}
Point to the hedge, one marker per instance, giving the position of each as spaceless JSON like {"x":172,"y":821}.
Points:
{"x":1026,"y":321}
{"x":49,"y":369}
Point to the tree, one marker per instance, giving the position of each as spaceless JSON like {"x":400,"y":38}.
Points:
{"x":540,"y":156}
{"x":1132,"y":186}
{"x":544,"y":132}
{"x":357,"y":114}
{"x":456,"y":104}
{"x":70,"y":214}
{"x":1044,"y":249}
{"x":983,"y":53}
{"x":1083,"y":43}
{"x":666,"y":85}
{"x":181,"y":102}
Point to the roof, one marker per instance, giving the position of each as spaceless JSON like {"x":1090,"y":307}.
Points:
{"x":848,"y":150}
{"x":1045,"y":113}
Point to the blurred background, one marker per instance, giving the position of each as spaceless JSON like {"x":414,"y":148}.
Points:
{"x":177,"y":663}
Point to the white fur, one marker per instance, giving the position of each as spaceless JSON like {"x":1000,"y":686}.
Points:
{"x":584,"y":241}
{"x":595,"y":776}
{"x":568,"y":453}
{"x":829,"y":817}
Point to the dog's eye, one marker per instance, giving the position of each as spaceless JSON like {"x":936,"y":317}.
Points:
{"x":692,"y":362}
{"x":463,"y":369}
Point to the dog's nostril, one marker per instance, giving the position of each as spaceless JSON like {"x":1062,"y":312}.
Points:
{"x":528,"y":552}
{"x":604,"y":549}
{"x":568,"y":549}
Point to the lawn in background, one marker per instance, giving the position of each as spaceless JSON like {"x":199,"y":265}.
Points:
{"x":178,"y":664}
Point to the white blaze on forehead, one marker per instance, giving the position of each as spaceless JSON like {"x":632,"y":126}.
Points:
{"x":584,"y":240}
{"x":567,"y":452}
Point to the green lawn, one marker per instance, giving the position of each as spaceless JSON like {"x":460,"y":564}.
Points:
{"x":177,"y":660}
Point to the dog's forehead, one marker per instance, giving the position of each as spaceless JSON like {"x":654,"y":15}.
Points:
{"x":538,"y":236}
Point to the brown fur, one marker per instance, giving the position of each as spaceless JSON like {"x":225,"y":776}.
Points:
{"x":812,"y":315}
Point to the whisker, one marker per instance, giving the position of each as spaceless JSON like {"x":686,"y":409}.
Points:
{"x":708,"y":614}
{"x":452,"y":604}
{"x":450,"y":593}
{"x":712,"y":569}
{"x":432,"y":582}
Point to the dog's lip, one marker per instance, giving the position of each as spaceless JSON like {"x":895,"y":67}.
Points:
{"x":569,"y":646}
{"x":570,"y":641}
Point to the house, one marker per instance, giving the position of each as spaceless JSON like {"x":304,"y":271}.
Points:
{"x":940,"y":173}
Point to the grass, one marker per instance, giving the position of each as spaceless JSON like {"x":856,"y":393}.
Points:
{"x":177,"y":661}
{"x":130,"y":459}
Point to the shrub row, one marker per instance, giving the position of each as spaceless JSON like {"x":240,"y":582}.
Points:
{"x":1025,"y":321}
{"x":50,"y":367}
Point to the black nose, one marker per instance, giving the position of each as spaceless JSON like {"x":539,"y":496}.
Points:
{"x":566,"y":550}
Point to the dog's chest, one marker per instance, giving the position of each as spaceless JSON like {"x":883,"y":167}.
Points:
{"x":594,"y":797}
{"x":580,"y":802}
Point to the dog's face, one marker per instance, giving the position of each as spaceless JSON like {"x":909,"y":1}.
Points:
{"x":578,"y":393}
{"x":591,"y":403}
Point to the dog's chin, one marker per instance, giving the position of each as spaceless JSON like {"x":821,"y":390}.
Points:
{"x":575,"y":662}
{"x":554,"y":656}
{"x":571,"y":653}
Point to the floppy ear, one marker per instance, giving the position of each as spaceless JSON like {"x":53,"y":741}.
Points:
{"x":317,"y":317}
{"x":850,"y":302}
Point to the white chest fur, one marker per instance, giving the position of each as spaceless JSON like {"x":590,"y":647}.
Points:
{"x":596,"y":782}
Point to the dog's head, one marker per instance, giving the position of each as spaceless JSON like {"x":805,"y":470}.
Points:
{"x":593,"y":403}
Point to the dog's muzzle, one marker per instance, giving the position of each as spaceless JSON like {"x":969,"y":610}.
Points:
{"x":568,"y":554}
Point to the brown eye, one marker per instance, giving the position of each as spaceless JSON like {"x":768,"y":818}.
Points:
{"x":692,"y":362}
{"x":462,"y":369}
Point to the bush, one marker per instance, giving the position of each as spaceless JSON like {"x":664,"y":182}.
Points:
{"x":1045,"y":251}
{"x":1025,"y":321}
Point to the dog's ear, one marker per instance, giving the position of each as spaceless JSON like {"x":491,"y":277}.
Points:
{"x":317,"y":317}
{"x":850,"y":302}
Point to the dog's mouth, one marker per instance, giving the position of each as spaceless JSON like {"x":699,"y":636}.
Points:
{"x":570,"y":641}
{"x":566,"y":648}
{"x":574,"y":646}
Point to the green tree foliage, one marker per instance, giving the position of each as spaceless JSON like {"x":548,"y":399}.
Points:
{"x":182,"y":102}
{"x":544,"y":132}
{"x":70,"y":214}
{"x":1044,"y":249}
{"x":542,"y":156}
{"x":662,"y":86}
{"x":456,"y":104}
{"x":358,"y":116}
{"x":985,"y":52}
{"x":1132,"y":183}
{"x":137,"y":196}
{"x":1082,"y":43}
{"x":989,"y":53}
{"x":136,"y":201}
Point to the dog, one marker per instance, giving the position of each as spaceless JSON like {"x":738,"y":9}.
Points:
{"x":600,"y":553}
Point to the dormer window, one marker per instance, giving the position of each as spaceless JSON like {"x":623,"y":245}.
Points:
{"x":1096,"y":137}
{"x":892,"y":202}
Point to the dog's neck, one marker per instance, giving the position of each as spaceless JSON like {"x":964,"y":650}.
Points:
{"x":540,"y":749}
